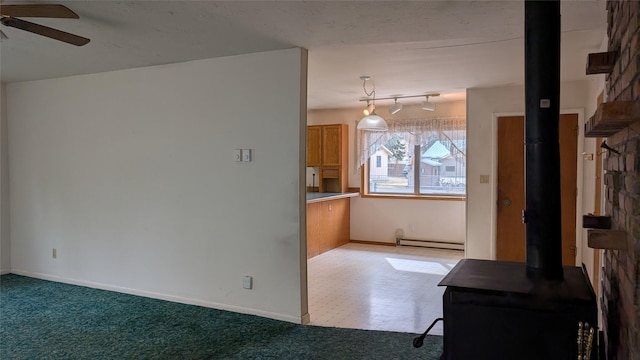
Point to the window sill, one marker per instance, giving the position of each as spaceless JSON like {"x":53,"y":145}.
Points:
{"x":415,"y":197}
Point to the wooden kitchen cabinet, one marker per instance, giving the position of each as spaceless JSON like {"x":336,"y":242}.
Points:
{"x":327,"y":149}
{"x":314,"y":146}
{"x":327,"y":225}
{"x":313,"y":229}
{"x":333,"y":145}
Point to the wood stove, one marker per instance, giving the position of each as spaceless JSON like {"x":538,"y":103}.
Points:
{"x":505,"y":310}
{"x":492,"y":310}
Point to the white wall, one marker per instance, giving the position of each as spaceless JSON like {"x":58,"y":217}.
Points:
{"x":130,"y":176}
{"x":5,"y":241}
{"x":378,"y":219}
{"x":484,"y":105}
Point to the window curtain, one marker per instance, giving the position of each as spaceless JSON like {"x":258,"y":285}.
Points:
{"x":442,"y":127}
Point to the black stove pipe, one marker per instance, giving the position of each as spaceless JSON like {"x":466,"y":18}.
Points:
{"x":542,"y":179}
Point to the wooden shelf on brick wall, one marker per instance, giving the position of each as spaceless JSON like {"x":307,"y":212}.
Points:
{"x":600,"y":63}
{"x":607,"y":239}
{"x":612,"y":117}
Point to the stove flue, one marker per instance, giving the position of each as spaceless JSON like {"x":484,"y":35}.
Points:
{"x":542,"y":168}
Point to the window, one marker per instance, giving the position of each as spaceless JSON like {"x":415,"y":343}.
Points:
{"x":423,"y":158}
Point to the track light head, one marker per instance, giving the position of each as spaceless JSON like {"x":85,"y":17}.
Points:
{"x":426,"y":105}
{"x":396,"y":107}
{"x":369,"y":109}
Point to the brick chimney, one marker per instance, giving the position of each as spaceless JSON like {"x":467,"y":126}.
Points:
{"x":621,"y":285}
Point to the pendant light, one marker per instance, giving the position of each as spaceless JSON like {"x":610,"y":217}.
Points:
{"x":372,"y":121}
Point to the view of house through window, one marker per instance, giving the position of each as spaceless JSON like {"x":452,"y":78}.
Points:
{"x":429,"y":160}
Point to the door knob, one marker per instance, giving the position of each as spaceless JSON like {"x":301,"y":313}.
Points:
{"x":507,"y":202}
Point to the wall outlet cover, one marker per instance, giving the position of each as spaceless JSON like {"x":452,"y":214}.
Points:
{"x":247,"y":282}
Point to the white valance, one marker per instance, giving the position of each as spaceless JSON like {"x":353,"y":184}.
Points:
{"x":444,"y":127}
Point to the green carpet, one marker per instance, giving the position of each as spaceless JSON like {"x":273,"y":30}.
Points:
{"x":49,"y":320}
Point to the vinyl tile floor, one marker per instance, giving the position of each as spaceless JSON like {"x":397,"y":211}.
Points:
{"x":377,"y":287}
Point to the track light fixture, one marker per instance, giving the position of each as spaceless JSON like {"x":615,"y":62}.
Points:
{"x":395,"y":107}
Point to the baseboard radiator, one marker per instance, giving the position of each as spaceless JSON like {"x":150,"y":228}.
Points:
{"x":433,"y":244}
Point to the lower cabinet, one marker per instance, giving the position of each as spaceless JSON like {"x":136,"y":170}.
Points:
{"x":327,"y":225}
{"x":313,"y":229}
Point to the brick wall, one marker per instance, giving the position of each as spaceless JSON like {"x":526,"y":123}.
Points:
{"x":621,"y":283}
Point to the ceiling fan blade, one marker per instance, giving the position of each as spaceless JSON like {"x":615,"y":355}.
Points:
{"x":40,"y":10}
{"x":45,"y":31}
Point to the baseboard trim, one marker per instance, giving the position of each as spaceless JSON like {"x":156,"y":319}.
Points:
{"x":166,"y":297}
{"x":5,"y":271}
{"x":306,"y":318}
{"x":372,"y":242}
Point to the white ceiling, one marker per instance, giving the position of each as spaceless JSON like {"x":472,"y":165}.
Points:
{"x":407,"y":47}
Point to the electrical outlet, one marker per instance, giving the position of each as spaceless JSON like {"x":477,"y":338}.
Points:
{"x":484,"y":179}
{"x":247,"y":282}
{"x":54,"y":253}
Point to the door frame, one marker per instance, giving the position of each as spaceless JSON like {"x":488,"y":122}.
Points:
{"x":579,"y":178}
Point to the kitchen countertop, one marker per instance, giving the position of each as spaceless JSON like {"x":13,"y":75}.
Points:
{"x":318,"y":196}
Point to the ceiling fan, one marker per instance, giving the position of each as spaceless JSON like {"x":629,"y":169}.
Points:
{"x":9,"y":17}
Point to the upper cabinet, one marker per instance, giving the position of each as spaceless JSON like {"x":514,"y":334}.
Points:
{"x":332,"y":144}
{"x":327,"y":145}
{"x":314,"y":145}
{"x":327,"y":149}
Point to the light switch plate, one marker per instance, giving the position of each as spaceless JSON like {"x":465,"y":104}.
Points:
{"x":237,"y":155}
{"x":246,"y":154}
